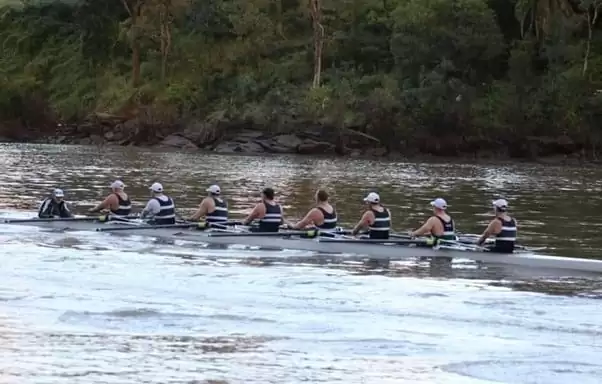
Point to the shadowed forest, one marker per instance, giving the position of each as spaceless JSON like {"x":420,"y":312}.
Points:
{"x":518,"y":77}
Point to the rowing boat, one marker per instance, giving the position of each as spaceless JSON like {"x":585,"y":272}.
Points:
{"x":390,"y":250}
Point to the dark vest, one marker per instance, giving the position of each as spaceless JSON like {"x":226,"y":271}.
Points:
{"x":449,"y":231}
{"x":125,"y":207}
{"x":505,"y":240}
{"x":50,"y":208}
{"x":382,"y":224}
{"x":330,"y":219}
{"x":272,"y":219}
{"x":220,"y":214}
{"x":167,"y":212}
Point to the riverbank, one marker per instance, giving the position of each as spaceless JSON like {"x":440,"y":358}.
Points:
{"x":301,"y":138}
{"x":368,"y":83}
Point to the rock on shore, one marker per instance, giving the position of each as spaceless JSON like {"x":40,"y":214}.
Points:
{"x":298,"y":138}
{"x":112,"y":130}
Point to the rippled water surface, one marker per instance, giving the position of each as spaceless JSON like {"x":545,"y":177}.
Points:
{"x":86,"y":307}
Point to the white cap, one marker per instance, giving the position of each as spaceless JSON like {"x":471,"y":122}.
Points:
{"x":117,"y":184}
{"x":156,"y":187}
{"x":58,"y":193}
{"x":439,"y":203}
{"x":500,"y":203}
{"x":372,"y":198}
{"x":214,"y":189}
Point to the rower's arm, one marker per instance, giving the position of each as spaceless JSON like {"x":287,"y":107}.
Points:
{"x":426,"y":228}
{"x":201,"y":211}
{"x":390,"y":219}
{"x":256,"y":213}
{"x":493,"y":228}
{"x":105,"y":204}
{"x":363,"y":223}
{"x":309,"y":219}
{"x":152,"y":208}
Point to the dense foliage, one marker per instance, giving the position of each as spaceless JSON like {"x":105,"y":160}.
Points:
{"x":443,"y":75}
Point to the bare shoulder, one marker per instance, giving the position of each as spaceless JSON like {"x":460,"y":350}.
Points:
{"x":259,"y":206}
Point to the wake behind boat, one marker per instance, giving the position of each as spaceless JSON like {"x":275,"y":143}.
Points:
{"x":331,"y":242}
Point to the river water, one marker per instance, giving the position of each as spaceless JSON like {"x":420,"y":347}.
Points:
{"x":93,"y":308}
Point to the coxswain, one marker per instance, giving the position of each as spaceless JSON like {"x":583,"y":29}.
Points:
{"x":213,"y":207}
{"x":440,"y":225}
{"x":117,"y":203}
{"x":160,"y":209}
{"x":376,"y":218}
{"x":54,"y":206}
{"x":323,"y":216}
{"x":503,"y":227}
{"x":268,"y":213}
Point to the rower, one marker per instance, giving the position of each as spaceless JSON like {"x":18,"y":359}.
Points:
{"x":54,"y":206}
{"x":440,"y":225}
{"x":118,"y":203}
{"x":376,"y":218}
{"x":267,"y":212}
{"x":160,"y":209}
{"x":213,"y":207}
{"x":503,"y":227}
{"x":323,"y":216}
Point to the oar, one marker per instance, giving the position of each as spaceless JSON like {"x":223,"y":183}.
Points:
{"x":374,"y":241}
{"x":399,"y":236}
{"x":102,"y":218}
{"x":310,"y":233}
{"x":465,"y":239}
{"x":199,"y":226}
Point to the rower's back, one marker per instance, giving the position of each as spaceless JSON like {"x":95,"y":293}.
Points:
{"x":219,"y":214}
{"x":124,"y":206}
{"x":446,"y":230}
{"x":330,"y":217}
{"x":271,"y":221}
{"x":329,"y":214}
{"x":381,"y":226}
{"x":167,"y":211}
{"x":506,"y":239}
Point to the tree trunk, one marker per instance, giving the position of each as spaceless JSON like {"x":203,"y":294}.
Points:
{"x":279,"y":18}
{"x":591,"y":18}
{"x":316,"y":14}
{"x":134,"y":12}
{"x":165,"y":37}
